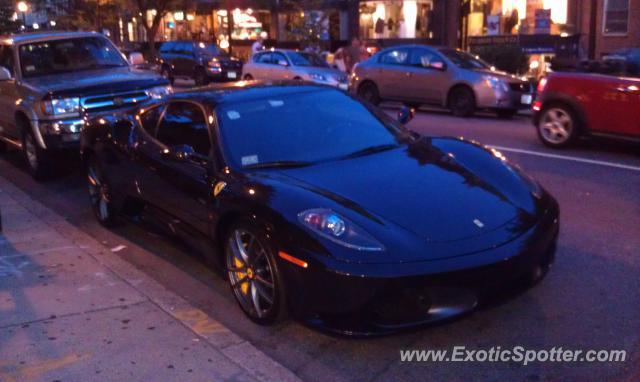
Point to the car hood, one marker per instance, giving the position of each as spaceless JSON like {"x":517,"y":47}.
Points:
{"x":102,"y":81}
{"x":500,"y":74}
{"x":439,"y":189}
{"x":329,"y":72}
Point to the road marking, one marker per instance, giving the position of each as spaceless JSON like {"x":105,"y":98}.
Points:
{"x":566,"y":157}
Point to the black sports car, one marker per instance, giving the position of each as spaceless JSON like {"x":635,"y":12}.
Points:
{"x":320,"y":206}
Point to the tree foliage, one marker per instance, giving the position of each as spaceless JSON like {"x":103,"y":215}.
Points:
{"x":7,"y":9}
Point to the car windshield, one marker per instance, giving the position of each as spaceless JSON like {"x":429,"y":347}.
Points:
{"x":302,"y":128}
{"x":68,"y":55}
{"x":464,"y":60}
{"x":307,"y":59}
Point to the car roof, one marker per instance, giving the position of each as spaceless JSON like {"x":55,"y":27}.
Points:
{"x":247,"y":90}
{"x":30,"y":37}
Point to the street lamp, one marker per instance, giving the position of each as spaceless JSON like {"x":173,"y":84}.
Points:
{"x":23,"y":8}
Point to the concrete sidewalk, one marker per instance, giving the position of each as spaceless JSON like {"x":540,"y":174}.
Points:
{"x":71,"y":309}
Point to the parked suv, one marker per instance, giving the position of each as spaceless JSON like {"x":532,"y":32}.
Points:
{"x":569,"y":105}
{"x":417,"y":74}
{"x":198,"y":61}
{"x":48,"y":79}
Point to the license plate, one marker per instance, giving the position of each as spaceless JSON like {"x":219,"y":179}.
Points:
{"x":343,"y":86}
{"x":232,"y":75}
{"x":526,"y":99}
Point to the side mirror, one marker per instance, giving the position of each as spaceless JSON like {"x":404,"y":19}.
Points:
{"x":406,"y":114}
{"x":5,"y":74}
{"x":179,"y":153}
{"x":136,"y":58}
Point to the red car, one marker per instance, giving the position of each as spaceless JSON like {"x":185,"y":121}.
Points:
{"x":569,"y":105}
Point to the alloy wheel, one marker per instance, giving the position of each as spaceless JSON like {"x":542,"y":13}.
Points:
{"x":556,"y":126}
{"x":251,"y":274}
{"x":31,"y":152}
{"x":99,"y":194}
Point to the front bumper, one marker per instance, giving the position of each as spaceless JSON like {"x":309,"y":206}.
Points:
{"x":374,"y":299}
{"x":225,"y":74}
{"x":61,"y":134}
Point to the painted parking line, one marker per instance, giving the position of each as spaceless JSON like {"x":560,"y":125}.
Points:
{"x":568,"y":158}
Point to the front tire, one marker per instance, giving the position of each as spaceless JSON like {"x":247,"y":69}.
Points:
{"x":253,"y":274}
{"x":248,"y":77}
{"x":200,"y":77}
{"x":37,"y":159}
{"x":557,"y":126}
{"x":100,"y":195}
{"x":462,"y":102}
{"x":368,"y":91}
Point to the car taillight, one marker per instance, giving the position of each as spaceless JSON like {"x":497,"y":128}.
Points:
{"x":542,"y":84}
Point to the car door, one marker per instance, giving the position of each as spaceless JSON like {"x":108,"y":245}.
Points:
{"x":184,"y":59}
{"x":260,"y":65}
{"x":8,"y":95}
{"x":613,"y":105}
{"x":392,"y":73}
{"x":280,"y":68}
{"x":428,"y":79}
{"x":166,"y":53}
{"x":184,"y":182}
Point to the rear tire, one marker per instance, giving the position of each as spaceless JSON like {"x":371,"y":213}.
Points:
{"x":248,"y":77}
{"x":166,"y":73}
{"x":253,"y":273}
{"x":462,"y":102}
{"x":37,"y":159}
{"x":368,"y":91}
{"x":557,"y":126}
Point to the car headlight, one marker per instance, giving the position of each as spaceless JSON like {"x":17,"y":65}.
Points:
{"x":496,"y":83}
{"x":160,"y":92}
{"x":317,"y":77}
{"x":61,"y":106}
{"x":338,"y":229}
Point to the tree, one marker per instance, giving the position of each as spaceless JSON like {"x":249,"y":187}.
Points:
{"x":7,"y":24}
{"x":307,"y":24}
{"x":158,"y":9}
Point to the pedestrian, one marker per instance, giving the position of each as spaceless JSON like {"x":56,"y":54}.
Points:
{"x":339,"y":60}
{"x":259,"y":44}
{"x":353,"y":54}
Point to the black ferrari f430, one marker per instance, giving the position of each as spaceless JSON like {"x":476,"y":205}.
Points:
{"x":316,"y":205}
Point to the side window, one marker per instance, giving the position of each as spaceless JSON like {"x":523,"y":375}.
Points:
{"x":166,"y":47}
{"x":180,"y":48}
{"x":188,"y":48}
{"x":395,"y":57}
{"x":149,"y":119}
{"x":264,"y":58}
{"x":184,"y":124}
{"x":425,"y":58}
{"x":6,"y":57}
{"x":279,"y":59}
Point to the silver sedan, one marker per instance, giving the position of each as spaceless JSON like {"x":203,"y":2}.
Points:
{"x":416,"y":75}
{"x":293,"y":65}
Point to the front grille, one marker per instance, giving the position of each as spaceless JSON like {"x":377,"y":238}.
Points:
{"x":231,"y":65}
{"x":112,"y":101}
{"x":523,"y":87}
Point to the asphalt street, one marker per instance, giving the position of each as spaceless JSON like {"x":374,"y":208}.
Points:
{"x":589,"y":300}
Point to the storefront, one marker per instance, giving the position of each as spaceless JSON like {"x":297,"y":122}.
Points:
{"x":396,"y":19}
{"x":541,"y":29}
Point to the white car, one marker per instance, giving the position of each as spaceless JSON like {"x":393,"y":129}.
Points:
{"x":293,"y":65}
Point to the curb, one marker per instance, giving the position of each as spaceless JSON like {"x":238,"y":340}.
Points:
{"x":236,"y":349}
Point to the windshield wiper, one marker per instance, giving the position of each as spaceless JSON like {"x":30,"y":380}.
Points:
{"x":371,"y":150}
{"x":279,"y":164}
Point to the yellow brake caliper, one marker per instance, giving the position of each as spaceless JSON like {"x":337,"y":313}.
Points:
{"x":244,"y":286}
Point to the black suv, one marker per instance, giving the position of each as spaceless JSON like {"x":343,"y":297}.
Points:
{"x":202,"y":62}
